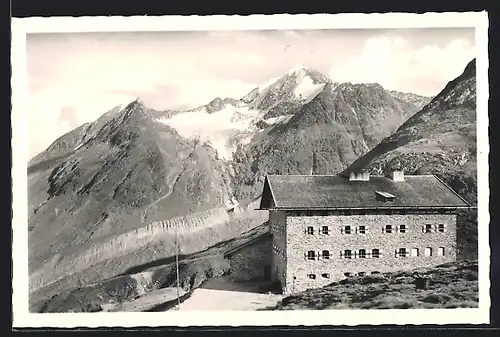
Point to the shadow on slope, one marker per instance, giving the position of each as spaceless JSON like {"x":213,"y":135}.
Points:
{"x":215,"y":249}
{"x":194,"y":269}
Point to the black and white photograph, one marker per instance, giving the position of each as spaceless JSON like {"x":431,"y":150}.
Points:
{"x":254,"y":169}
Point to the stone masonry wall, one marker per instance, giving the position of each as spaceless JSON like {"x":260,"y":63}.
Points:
{"x":248,"y":263}
{"x":299,"y":242}
{"x":277,"y":221}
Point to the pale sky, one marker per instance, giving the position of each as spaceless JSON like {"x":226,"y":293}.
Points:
{"x":76,"y":77}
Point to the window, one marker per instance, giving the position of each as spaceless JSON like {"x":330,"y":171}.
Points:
{"x":384,"y":196}
{"x":310,"y":230}
{"x":326,"y":254}
{"x":311,"y":255}
{"x":311,"y":276}
{"x":375,"y":253}
{"x":362,"y":253}
{"x":325,"y":230}
{"x":441,"y":251}
{"x":428,"y":228}
{"x":347,"y":229}
{"x":401,"y":252}
{"x":325,"y":275}
{"x":428,"y":251}
{"x":441,"y":228}
{"x":347,"y":274}
{"x":347,"y":254}
{"x":402,"y":228}
{"x":414,"y":252}
{"x":375,"y":272}
{"x":388,"y":229}
{"x":361,"y":230}
{"x":361,"y":273}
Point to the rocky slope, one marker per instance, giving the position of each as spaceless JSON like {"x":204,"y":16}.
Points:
{"x":114,"y":176}
{"x":418,"y":100}
{"x":439,"y":139}
{"x":323,"y":136}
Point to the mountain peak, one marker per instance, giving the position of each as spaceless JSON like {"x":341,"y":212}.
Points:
{"x":471,"y":68}
{"x":296,"y":68}
{"x":215,"y":105}
{"x":135,"y":104}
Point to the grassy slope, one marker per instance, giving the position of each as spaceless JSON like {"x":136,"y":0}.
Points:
{"x":452,"y":285}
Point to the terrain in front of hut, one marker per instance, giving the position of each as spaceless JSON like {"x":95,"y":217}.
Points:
{"x":100,"y":196}
{"x":451,"y":285}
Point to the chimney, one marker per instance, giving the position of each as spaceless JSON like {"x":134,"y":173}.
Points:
{"x":398,"y":176}
{"x":359,"y":176}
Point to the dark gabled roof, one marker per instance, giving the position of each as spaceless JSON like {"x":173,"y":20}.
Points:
{"x":338,"y":192}
{"x":257,"y":239}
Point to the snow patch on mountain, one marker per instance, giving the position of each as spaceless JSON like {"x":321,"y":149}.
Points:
{"x":307,"y":89}
{"x":277,"y":120}
{"x":78,"y":147}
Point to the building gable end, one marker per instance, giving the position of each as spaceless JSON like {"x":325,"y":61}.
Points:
{"x":267,"y":200}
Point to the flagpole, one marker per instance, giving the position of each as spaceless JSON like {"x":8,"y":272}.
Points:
{"x":177,"y":264}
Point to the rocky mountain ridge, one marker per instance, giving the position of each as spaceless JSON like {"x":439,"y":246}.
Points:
{"x":121,"y":177}
{"x":226,"y":123}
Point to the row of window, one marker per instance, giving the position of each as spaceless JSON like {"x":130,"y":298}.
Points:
{"x":374,"y":253}
{"x":427,"y":228}
{"x":325,"y":230}
{"x":312,"y":276}
{"x":344,"y":254}
{"x":428,"y":251}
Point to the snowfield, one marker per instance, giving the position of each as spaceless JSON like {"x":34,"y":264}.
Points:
{"x":218,"y":128}
{"x":307,"y":90}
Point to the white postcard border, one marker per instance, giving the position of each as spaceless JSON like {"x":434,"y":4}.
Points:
{"x":23,"y":26}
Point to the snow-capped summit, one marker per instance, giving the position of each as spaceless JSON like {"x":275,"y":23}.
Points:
{"x":299,"y":83}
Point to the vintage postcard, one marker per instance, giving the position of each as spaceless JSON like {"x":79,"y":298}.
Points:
{"x":283,"y":169}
